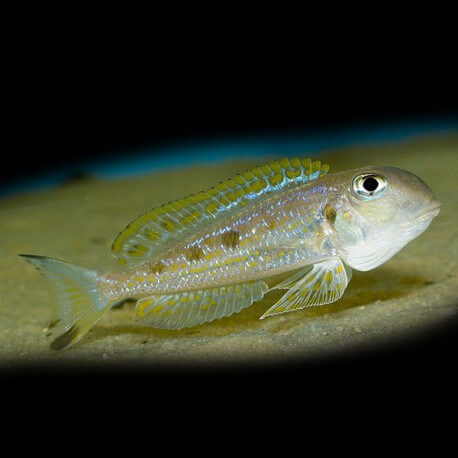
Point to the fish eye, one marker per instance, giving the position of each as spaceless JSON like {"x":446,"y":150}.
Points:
{"x":368,"y":185}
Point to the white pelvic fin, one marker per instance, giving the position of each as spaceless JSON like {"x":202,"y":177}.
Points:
{"x":191,"y":308}
{"x":323,"y":284}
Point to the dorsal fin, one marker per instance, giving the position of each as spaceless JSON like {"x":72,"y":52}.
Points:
{"x":162,"y":227}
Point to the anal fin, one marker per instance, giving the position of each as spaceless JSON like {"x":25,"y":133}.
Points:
{"x":323,"y":284}
{"x":191,"y":308}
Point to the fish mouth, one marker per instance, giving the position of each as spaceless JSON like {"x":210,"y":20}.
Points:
{"x":421,"y":222}
{"x":428,"y":215}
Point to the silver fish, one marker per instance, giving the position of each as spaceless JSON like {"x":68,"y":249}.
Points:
{"x":208,"y":255}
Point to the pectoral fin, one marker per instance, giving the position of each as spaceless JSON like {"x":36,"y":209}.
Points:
{"x":323,"y":284}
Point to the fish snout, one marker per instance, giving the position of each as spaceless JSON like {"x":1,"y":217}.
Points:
{"x":428,"y":210}
{"x":433,"y":208}
{"x":422,"y":202}
{"x":432,"y":204}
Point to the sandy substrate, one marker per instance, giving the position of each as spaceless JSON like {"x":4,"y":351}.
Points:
{"x":416,"y":290}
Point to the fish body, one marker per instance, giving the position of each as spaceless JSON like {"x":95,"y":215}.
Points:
{"x":208,"y":255}
{"x":276,"y":234}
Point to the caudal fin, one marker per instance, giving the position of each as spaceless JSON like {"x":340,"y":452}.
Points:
{"x":78,"y":295}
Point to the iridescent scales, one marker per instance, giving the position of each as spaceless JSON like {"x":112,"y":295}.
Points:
{"x":257,"y":224}
{"x":160,"y":229}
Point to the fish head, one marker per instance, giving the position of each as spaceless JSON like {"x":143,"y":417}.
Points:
{"x":375,"y":212}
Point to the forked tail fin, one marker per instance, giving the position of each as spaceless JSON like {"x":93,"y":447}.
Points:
{"x":78,"y":296}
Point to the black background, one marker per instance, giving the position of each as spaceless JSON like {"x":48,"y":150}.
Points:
{"x":75,"y":116}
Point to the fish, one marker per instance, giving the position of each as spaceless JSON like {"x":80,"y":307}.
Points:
{"x":212,"y":254}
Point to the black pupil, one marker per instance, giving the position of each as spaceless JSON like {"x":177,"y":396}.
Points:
{"x":370,"y":184}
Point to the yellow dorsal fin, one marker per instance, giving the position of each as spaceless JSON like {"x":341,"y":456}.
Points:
{"x":160,"y":228}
